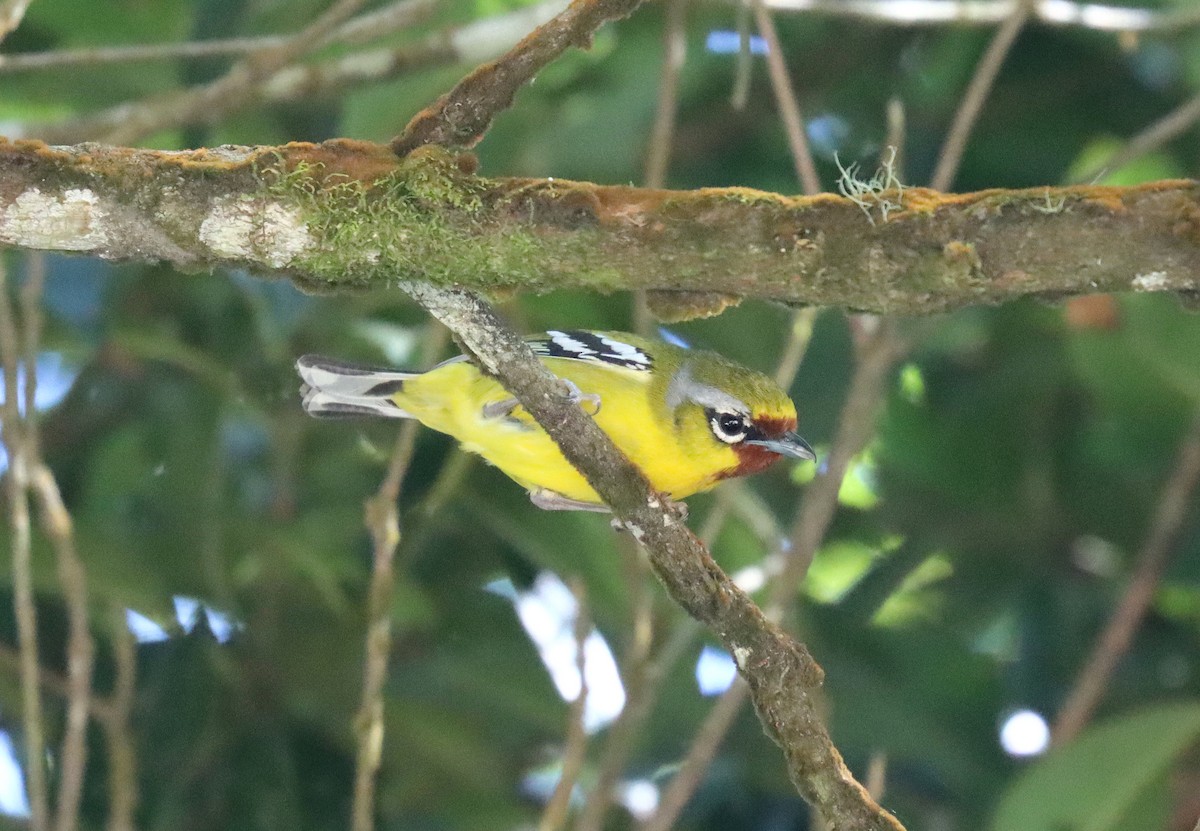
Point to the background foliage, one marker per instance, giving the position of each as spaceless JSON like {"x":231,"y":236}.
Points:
{"x":983,"y":539}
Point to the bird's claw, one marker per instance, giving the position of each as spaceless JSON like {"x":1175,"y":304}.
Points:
{"x":549,"y":500}
{"x":577,"y":396}
{"x":500,"y":409}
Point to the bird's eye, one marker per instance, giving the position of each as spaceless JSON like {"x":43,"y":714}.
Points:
{"x":728,"y":427}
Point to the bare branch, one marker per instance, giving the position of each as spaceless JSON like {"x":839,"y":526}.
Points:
{"x":55,"y":683}
{"x":703,"y":750}
{"x":783,"y":677}
{"x":658,"y":151}
{"x":122,"y":755}
{"x":364,"y":28}
{"x":346,"y":214}
{"x":12,"y":12}
{"x":470,"y":43}
{"x":16,"y":444}
{"x":1175,"y":503}
{"x":127,"y":123}
{"x":641,"y":691}
{"x":382,"y":519}
{"x":991,"y":12}
{"x":479,"y":40}
{"x":785,"y":99}
{"x":977,"y":92}
{"x":1166,"y":129}
{"x":72,"y":577}
{"x":460,"y":117}
{"x":58,"y":527}
{"x":554,"y":817}
{"x":868,"y":386}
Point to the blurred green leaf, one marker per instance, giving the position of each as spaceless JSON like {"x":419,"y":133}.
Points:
{"x":1112,"y":778}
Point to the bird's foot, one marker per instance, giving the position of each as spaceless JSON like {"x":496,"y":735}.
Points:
{"x":500,"y":409}
{"x":676,"y":512}
{"x":577,"y":396}
{"x":549,"y":500}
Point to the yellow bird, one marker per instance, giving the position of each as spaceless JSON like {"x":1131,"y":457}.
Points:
{"x":687,"y":418}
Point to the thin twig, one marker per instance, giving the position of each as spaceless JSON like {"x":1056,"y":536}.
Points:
{"x":897,"y":131}
{"x":127,"y":123}
{"x":12,"y":12}
{"x":658,"y":153}
{"x":1166,"y":129}
{"x":876,"y":778}
{"x":868,"y":385}
{"x":554,"y":817}
{"x":31,"y":336}
{"x":365,"y":28}
{"x":977,"y":92}
{"x":461,"y":116}
{"x":785,"y":99}
{"x":640,"y":692}
{"x":55,"y":683}
{"x":471,"y":42}
{"x":22,"y":566}
{"x":382,"y":518}
{"x":1175,"y":503}
{"x":744,"y":65}
{"x":700,"y":755}
{"x":122,"y":753}
{"x":662,"y":133}
{"x":800,"y":329}
{"x":80,"y":648}
{"x":1062,"y":13}
{"x":72,"y":577}
{"x":782,"y":675}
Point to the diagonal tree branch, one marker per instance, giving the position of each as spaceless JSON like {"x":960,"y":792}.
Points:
{"x":782,"y":676}
{"x":460,"y":117}
{"x":347,"y":214}
{"x":977,"y":92}
{"x":1175,"y":503}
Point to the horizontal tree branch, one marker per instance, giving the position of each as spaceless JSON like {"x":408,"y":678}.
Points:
{"x":365,"y":28}
{"x":1096,"y":16}
{"x":350,"y":214}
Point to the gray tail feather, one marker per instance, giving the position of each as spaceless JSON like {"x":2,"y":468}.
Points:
{"x":334,"y":389}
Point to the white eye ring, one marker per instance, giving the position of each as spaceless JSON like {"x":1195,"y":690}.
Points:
{"x":729,"y":427}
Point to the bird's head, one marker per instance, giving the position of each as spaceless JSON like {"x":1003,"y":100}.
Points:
{"x":738,"y":419}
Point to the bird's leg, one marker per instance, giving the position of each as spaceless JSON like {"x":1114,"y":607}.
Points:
{"x":679,"y":509}
{"x":500,"y":409}
{"x":504,"y":407}
{"x":548,"y":500}
{"x":576,"y":395}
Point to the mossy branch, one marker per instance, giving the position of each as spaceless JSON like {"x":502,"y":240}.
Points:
{"x":346,"y":214}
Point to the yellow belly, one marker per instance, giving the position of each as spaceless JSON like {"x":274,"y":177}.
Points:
{"x":451,"y":399}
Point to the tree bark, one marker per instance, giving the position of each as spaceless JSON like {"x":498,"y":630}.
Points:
{"x":350,"y":214}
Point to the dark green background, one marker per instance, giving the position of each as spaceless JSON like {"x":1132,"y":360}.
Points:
{"x":1007,"y":490}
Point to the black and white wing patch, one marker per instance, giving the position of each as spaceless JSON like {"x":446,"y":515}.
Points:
{"x":582,"y":345}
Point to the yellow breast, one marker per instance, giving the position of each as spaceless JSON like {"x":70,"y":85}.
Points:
{"x":454,"y":399}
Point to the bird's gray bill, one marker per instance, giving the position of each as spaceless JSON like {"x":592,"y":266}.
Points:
{"x":789,"y":444}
